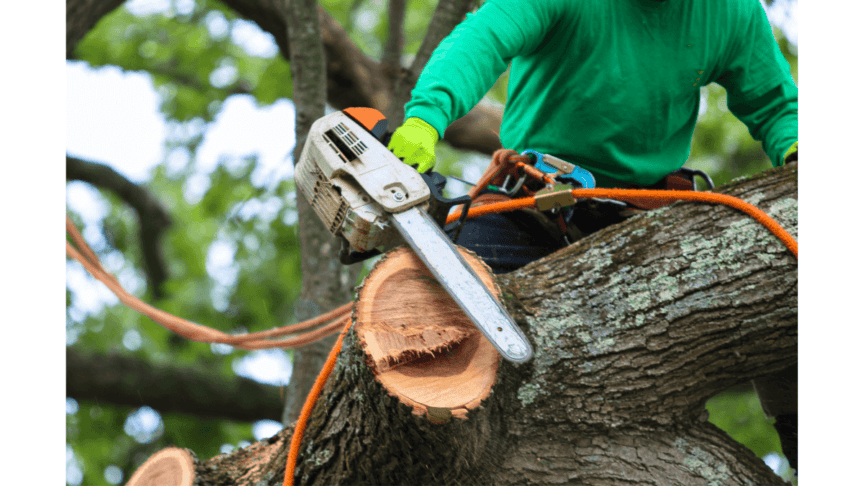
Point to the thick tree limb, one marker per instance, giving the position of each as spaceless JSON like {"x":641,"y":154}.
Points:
{"x":634,"y":328}
{"x":153,"y":218}
{"x":696,"y":297}
{"x":128,"y":381}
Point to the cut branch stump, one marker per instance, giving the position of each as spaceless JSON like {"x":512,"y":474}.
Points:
{"x":169,"y":467}
{"x":419,"y":344}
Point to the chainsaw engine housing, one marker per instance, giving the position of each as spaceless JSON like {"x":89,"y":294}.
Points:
{"x":353,"y":182}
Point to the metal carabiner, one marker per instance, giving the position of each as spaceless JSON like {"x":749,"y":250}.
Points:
{"x":512,"y":192}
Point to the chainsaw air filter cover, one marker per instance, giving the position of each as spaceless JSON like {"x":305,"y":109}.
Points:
{"x":353,"y":182}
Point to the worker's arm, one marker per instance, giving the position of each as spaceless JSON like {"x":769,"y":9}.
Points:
{"x":467,"y":63}
{"x":761,"y":92}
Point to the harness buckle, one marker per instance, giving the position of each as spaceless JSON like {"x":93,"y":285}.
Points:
{"x":694,"y":172}
{"x":554,"y":200}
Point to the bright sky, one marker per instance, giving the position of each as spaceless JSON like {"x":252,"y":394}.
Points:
{"x":112,"y":117}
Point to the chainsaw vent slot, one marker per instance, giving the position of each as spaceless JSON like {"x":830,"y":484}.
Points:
{"x":328,"y":203}
{"x":345,"y":142}
{"x":339,"y":147}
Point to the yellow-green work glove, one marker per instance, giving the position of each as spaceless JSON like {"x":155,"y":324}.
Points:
{"x":791,"y":154}
{"x":414,"y":143}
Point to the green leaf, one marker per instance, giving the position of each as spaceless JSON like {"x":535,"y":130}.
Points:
{"x":740,"y":415}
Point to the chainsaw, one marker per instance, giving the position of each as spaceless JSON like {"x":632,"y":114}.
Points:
{"x":373,"y":201}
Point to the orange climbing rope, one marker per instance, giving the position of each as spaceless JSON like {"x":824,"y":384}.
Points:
{"x":646,"y":194}
{"x":196,"y":332}
{"x":309,"y":404}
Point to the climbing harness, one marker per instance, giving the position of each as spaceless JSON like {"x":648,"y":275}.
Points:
{"x":536,"y":190}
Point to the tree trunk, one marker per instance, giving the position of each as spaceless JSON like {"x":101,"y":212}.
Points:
{"x":634,"y":328}
{"x":323,"y":288}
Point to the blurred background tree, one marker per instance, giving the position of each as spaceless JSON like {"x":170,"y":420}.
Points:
{"x":223,"y":248}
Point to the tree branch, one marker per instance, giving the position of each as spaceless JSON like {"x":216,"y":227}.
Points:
{"x":81,"y":16}
{"x":674,"y":306}
{"x":153,"y":218}
{"x":633,"y":327}
{"x":129,"y":381}
{"x":447,"y":15}
{"x":353,"y":78}
{"x":392,"y":56}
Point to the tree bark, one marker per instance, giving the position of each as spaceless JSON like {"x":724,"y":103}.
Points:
{"x":81,"y":16}
{"x":634,"y":328}
{"x":326,"y":283}
{"x":124,"y":380}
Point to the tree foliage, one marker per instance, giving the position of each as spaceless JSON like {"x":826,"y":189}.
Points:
{"x":194,"y":55}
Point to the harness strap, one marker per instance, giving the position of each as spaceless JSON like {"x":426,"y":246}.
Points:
{"x":675,"y":181}
{"x":489,"y":198}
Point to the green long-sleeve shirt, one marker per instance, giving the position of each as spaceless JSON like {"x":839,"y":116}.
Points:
{"x":613,"y":85}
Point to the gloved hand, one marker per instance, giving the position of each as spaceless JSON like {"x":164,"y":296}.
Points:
{"x":414,"y":143}
{"x":791,"y":154}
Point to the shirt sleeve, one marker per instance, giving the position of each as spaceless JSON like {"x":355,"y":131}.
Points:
{"x":759,"y":85}
{"x":467,"y":63}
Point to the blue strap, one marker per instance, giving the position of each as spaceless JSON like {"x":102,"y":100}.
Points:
{"x":579,"y":175}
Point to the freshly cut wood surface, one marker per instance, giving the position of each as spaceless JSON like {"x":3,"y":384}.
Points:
{"x":418,"y":342}
{"x":169,"y":467}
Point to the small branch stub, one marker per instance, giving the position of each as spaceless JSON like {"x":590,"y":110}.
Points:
{"x":418,"y":342}
{"x":169,"y":467}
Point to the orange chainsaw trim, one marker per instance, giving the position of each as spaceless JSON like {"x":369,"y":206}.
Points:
{"x":370,"y":118}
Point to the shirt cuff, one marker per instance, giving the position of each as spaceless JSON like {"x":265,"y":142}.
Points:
{"x":792,"y":153}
